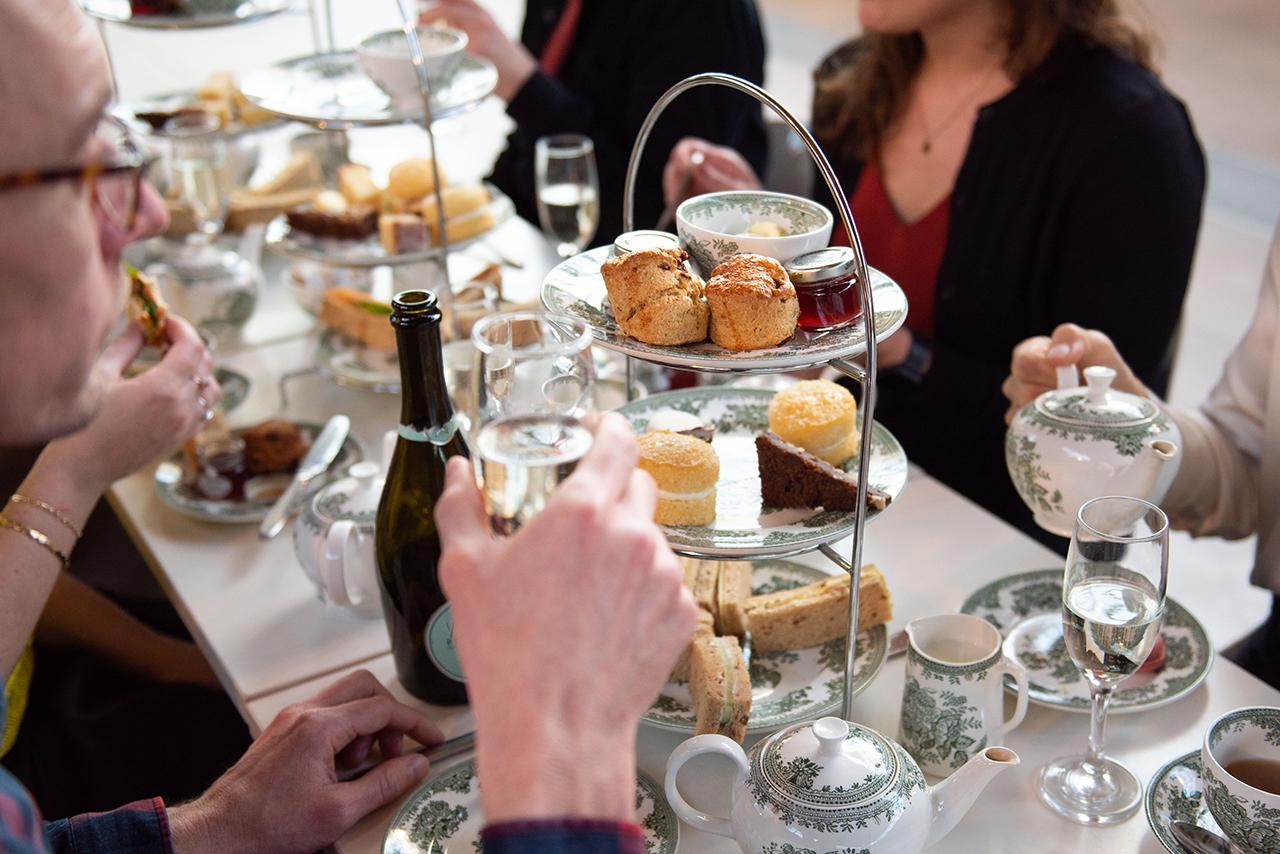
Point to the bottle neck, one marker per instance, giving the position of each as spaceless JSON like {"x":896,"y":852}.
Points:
{"x":424,"y":399}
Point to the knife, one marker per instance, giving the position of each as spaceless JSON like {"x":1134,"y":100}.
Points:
{"x":1197,"y":840}
{"x":324,"y":450}
{"x":437,"y":753}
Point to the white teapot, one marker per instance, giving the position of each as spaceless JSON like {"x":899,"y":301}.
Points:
{"x":832,"y":786}
{"x":334,"y":540}
{"x":1073,"y":444}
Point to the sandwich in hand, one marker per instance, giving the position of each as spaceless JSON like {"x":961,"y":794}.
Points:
{"x":146,"y":307}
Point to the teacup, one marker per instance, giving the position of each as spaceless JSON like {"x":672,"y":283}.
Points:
{"x":953,"y":698}
{"x":1246,"y":741}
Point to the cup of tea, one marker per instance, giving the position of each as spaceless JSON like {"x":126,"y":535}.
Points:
{"x":1241,"y":761}
{"x":953,"y":698}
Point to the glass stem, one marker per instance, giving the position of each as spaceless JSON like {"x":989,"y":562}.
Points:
{"x":1101,"y":697}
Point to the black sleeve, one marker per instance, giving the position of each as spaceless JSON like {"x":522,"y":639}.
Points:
{"x":656,"y":56}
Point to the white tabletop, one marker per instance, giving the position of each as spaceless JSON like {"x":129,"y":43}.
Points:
{"x":934,"y":548}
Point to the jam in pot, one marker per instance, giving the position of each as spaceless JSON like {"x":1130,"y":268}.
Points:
{"x":826,"y":288}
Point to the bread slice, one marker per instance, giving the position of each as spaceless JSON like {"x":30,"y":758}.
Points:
{"x":701,"y":576}
{"x":360,"y":317}
{"x":704,"y":629}
{"x":457,"y":200}
{"x":300,"y":172}
{"x":792,"y":477}
{"x":355,"y":182}
{"x":816,"y":613}
{"x":733,"y":590}
{"x":720,"y":686}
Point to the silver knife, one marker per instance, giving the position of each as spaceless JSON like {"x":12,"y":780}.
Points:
{"x":324,"y":450}
{"x":437,"y":753}
{"x":1197,"y":840}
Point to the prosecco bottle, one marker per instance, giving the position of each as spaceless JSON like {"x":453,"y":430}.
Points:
{"x":407,"y":542}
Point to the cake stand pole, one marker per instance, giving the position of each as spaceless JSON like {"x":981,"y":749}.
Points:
{"x":444,"y":295}
{"x":864,"y":375}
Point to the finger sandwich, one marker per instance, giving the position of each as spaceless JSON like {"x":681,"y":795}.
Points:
{"x":816,"y":613}
{"x":720,"y":686}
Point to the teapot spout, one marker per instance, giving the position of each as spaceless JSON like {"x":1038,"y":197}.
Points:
{"x":1155,"y":457}
{"x":952,"y":797}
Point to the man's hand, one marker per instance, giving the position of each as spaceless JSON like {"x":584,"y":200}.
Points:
{"x":566,"y":630}
{"x":1033,"y":370}
{"x":283,"y":796}
{"x":485,"y":38}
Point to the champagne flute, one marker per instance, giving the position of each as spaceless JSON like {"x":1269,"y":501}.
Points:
{"x":568,"y":191}
{"x":199,"y":170}
{"x":532,"y":384}
{"x":1113,"y":596}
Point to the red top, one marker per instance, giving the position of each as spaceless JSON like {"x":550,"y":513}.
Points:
{"x":909,"y":253}
{"x":557,"y":47}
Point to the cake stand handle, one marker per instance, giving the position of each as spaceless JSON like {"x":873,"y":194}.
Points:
{"x":865,"y":376}
{"x":409,"y":22}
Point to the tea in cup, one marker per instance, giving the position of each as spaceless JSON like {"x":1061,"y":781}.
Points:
{"x":1241,"y":761}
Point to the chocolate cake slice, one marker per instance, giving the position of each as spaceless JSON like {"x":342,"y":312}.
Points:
{"x":792,"y":477}
{"x":355,"y":223}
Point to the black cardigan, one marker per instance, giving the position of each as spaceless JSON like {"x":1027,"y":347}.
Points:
{"x":623,"y":57}
{"x":1078,"y":200}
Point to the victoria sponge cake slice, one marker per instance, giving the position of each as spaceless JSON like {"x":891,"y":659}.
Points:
{"x":686,"y":470}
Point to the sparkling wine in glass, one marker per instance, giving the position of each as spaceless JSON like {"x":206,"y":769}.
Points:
{"x":534,"y":381}
{"x":1113,"y":595}
{"x":199,"y":169}
{"x":568,"y":191}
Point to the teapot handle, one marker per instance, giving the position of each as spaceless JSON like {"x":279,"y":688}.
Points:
{"x":694,"y":747}
{"x":1067,"y":377}
{"x":333,"y":559}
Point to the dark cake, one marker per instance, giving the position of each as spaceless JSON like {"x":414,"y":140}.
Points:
{"x":792,"y":477}
{"x":352,"y":224}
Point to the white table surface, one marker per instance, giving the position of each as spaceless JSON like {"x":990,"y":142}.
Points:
{"x":934,"y":548}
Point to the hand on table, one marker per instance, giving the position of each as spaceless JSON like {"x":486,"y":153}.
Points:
{"x":1033,"y":370}
{"x":144,"y":417}
{"x":485,"y":38}
{"x":283,"y":795}
{"x":566,"y":630}
{"x":721,"y":168}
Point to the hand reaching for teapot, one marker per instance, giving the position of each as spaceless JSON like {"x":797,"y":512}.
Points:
{"x":1033,"y":370}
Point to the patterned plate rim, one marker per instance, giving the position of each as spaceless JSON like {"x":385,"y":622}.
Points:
{"x":1161,"y":832}
{"x":827,"y":534}
{"x":129,"y":112}
{"x":1116,"y":707}
{"x":879,"y":638}
{"x":743,"y":363}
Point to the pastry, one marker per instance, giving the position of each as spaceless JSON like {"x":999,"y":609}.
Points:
{"x":465,"y":226}
{"x":793,"y":477}
{"x":457,"y":201}
{"x":816,"y":613}
{"x":353,"y":223}
{"x":704,"y":629}
{"x":655,"y":299}
{"x":753,"y":303}
{"x":686,"y":471}
{"x":675,"y":421}
{"x":330,"y":202}
{"x":146,"y":306}
{"x":720,"y":687}
{"x":819,"y":416}
{"x":412,"y":178}
{"x":359,"y":317}
{"x":733,"y":590}
{"x":402,"y":233}
{"x":356,"y":185}
{"x":272,"y":446}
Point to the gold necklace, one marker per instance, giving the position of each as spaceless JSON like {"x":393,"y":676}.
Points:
{"x":927,"y":144}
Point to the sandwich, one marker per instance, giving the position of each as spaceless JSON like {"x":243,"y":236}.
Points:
{"x":359,"y":317}
{"x":704,"y":629}
{"x":816,"y":613}
{"x":733,"y":591}
{"x":146,"y":307}
{"x":720,"y":686}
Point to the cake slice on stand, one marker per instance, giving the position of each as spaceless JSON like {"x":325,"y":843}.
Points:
{"x":792,"y":477}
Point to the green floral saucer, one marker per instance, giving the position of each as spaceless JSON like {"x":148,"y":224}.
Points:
{"x":743,"y":527}
{"x":789,"y":686}
{"x":1176,"y":793}
{"x":444,"y":816}
{"x":1027,"y":609}
{"x":575,"y":287}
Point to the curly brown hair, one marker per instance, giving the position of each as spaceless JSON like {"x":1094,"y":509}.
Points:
{"x":860,"y":89}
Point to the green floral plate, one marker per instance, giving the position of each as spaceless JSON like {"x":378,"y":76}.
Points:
{"x":743,"y":526}
{"x":1027,"y":609}
{"x":1176,"y":793}
{"x":575,"y":287}
{"x":789,"y":686}
{"x":444,"y":817}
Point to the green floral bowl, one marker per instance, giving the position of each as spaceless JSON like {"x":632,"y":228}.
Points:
{"x":1249,"y":816}
{"x":713,"y":226}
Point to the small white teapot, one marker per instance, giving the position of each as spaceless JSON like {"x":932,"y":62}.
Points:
{"x":831,"y":786}
{"x":334,"y":540}
{"x":1073,"y":444}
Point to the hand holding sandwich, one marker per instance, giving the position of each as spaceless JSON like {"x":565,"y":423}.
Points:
{"x":566,"y":631}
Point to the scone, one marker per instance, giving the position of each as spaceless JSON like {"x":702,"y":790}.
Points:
{"x":819,"y":416}
{"x":413,"y":178}
{"x":655,"y":298}
{"x":686,"y":470}
{"x":753,"y":303}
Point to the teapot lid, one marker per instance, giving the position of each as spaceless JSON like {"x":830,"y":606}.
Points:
{"x":1095,"y":405}
{"x":354,"y":497}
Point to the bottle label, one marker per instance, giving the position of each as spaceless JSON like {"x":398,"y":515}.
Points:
{"x":435,"y":435}
{"x":439,"y":642}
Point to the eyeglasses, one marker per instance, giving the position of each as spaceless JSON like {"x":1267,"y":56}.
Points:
{"x":114,"y":176}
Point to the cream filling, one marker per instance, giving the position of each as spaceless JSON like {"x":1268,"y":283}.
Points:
{"x":726,"y":708}
{"x":685,"y":496}
{"x":817,"y":452}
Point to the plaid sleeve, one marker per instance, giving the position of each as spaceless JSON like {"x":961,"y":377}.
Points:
{"x":563,"y":836}
{"x":20,"y":829}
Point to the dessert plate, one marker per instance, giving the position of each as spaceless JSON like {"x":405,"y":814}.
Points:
{"x":1176,"y":793}
{"x":200,"y":14}
{"x":444,"y":815}
{"x":173,"y":491}
{"x":331,"y":91}
{"x":368,"y":252}
{"x":743,"y":527}
{"x":1027,"y":609}
{"x":575,"y":287}
{"x":787,"y":686}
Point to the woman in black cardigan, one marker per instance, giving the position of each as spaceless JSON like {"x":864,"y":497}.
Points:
{"x":1064,"y":180}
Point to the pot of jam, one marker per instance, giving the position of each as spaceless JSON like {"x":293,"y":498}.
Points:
{"x":826,"y":288}
{"x":221,"y":471}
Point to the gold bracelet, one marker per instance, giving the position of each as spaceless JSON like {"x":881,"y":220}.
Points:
{"x":38,"y":536}
{"x":18,"y":498}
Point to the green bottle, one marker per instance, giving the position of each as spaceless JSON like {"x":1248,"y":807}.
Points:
{"x":407,"y":542}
